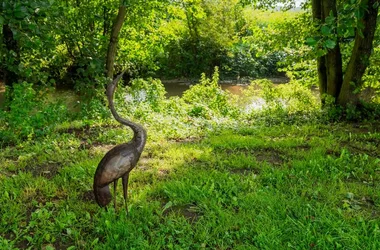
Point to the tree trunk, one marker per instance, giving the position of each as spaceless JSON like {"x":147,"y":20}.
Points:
{"x":330,"y":73}
{"x":112,"y":47}
{"x":105,"y":21}
{"x":321,"y":61}
{"x":10,"y":76}
{"x":360,"y":56}
{"x":333,"y":59}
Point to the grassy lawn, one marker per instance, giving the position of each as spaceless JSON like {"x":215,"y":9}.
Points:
{"x":280,"y":187}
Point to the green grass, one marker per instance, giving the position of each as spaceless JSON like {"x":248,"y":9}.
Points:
{"x":280,"y":187}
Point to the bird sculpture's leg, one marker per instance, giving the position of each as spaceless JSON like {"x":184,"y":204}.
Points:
{"x":114,"y":193}
{"x":125,"y":189}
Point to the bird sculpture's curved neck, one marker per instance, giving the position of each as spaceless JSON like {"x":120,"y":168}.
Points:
{"x":139,"y":133}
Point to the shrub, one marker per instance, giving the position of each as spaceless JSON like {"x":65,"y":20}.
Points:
{"x":29,"y":115}
{"x":208,"y":100}
{"x":150,"y":92}
{"x":286,"y":103}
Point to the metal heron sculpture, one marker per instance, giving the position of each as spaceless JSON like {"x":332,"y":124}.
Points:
{"x":120,"y":160}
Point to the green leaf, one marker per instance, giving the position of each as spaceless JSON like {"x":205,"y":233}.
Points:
{"x":359,"y":14}
{"x":326,"y":30}
{"x":20,"y":12}
{"x":167,"y":205}
{"x":311,"y":41}
{"x":95,"y":242}
{"x":1,"y":20}
{"x":330,"y":19}
{"x":330,"y":44}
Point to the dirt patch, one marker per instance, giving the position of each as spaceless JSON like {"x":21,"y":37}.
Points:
{"x":270,"y":155}
{"x":360,"y":128}
{"x":101,"y":149}
{"x":9,"y":236}
{"x":244,"y":171}
{"x":375,"y":141}
{"x":13,"y":158}
{"x":48,"y":170}
{"x":87,"y":130}
{"x":163,"y":173}
{"x":76,"y":131}
{"x":62,"y":246}
{"x":97,"y":146}
{"x":365,"y":203}
{"x":29,"y":211}
{"x":371,"y":141}
{"x":368,"y":201}
{"x":88,"y":196}
{"x":359,"y":149}
{"x":23,"y":244}
{"x":142,"y":168}
{"x":143,"y":164}
{"x":188,"y":139}
{"x":303,"y":147}
{"x":333,"y":152}
{"x":189,"y":212}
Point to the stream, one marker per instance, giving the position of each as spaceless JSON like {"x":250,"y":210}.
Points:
{"x":177,"y":87}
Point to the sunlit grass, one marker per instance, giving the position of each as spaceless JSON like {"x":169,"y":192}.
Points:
{"x":254,"y":187}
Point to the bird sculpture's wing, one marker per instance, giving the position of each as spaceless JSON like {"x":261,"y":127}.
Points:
{"x":115,"y":164}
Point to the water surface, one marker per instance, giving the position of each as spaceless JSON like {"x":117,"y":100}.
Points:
{"x":176,"y":87}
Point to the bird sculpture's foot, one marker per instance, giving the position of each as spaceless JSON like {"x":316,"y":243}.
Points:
{"x":114,"y":194}
{"x":125,"y":189}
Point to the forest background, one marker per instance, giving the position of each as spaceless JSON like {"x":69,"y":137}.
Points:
{"x":307,"y":147}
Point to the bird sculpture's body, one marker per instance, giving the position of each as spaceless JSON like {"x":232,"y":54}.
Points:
{"x":120,"y":160}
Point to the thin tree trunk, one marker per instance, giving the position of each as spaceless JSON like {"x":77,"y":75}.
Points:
{"x":333,"y":58}
{"x":10,"y":76}
{"x":105,"y":21}
{"x":321,"y":61}
{"x":359,"y":60}
{"x":112,"y":47}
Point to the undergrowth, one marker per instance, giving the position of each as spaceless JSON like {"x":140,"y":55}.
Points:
{"x":267,"y":170}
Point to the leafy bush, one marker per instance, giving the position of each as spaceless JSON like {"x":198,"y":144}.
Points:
{"x":243,"y":60}
{"x":292,"y":97}
{"x":150,"y":91}
{"x":372,"y":77}
{"x":29,"y":114}
{"x":362,"y":112}
{"x":208,"y":100}
{"x":286,"y":103}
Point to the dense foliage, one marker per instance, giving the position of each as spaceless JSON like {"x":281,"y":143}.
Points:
{"x":65,"y":43}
